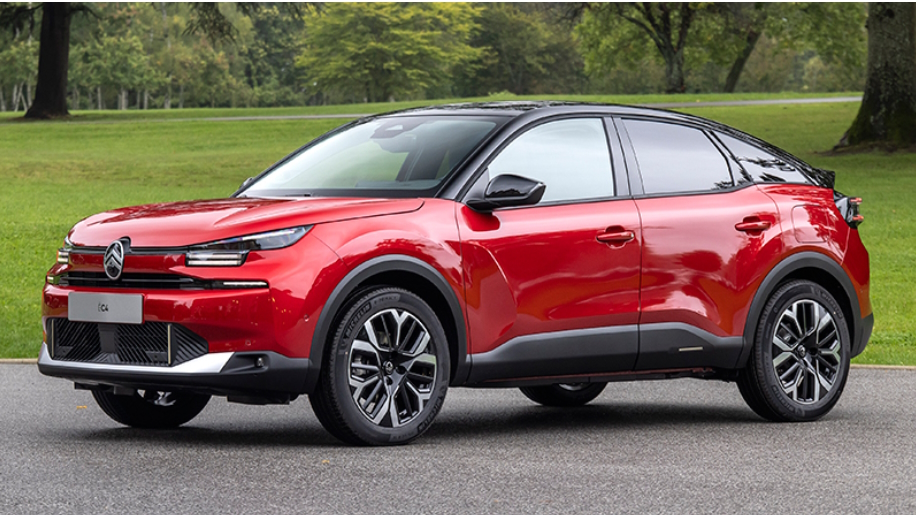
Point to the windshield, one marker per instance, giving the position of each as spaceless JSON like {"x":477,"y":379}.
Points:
{"x":399,"y":156}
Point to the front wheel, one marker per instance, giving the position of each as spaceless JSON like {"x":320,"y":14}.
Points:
{"x":386,"y":371}
{"x":565,"y":394}
{"x":800,"y":360}
{"x":151,"y":409}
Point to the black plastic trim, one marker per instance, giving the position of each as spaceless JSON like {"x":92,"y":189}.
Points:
{"x":863,"y":334}
{"x":359,"y":275}
{"x":776,"y":276}
{"x":241,"y":375}
{"x":679,"y":345}
{"x":579,"y":351}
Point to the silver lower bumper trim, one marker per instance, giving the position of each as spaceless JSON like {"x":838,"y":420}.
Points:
{"x":207,"y":364}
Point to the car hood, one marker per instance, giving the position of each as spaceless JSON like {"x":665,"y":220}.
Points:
{"x":178,"y":224}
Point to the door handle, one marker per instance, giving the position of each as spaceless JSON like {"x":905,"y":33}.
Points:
{"x":753,"y":225}
{"x":615,"y":236}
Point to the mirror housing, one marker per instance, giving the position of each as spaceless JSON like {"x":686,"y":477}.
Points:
{"x":508,"y":191}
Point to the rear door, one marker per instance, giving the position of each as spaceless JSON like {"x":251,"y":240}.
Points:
{"x":707,"y":244}
{"x":552,"y":289}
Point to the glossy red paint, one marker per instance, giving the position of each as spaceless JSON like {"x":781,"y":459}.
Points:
{"x":697,"y":267}
{"x":202,"y":221}
{"x":542,"y":269}
{"x":813,"y":222}
{"x":278,"y":318}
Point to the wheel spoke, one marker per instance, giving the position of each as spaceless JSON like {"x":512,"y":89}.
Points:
{"x":779,"y":360}
{"x":782,"y":345}
{"x":807,"y":332}
{"x":784,"y":378}
{"x":392,"y":368}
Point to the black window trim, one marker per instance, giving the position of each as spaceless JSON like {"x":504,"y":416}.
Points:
{"x":767,"y":148}
{"x":636,"y":181}
{"x":473,"y":183}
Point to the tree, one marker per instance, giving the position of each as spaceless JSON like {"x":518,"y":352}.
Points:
{"x":724,"y":34}
{"x":666,"y":24}
{"x":53,"y":53}
{"x":54,"y":45}
{"x":376,"y":52}
{"x":888,"y":111}
{"x":525,"y":50}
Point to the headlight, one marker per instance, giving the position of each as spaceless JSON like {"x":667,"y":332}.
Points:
{"x":233,"y":251}
{"x":63,"y":253}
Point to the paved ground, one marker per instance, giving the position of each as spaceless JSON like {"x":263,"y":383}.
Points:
{"x":683,"y":446}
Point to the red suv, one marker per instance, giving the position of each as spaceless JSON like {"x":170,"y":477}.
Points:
{"x":552,"y":247}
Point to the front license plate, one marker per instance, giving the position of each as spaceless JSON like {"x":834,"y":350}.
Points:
{"x":112,"y":308}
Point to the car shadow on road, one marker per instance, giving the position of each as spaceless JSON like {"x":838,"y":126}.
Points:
{"x":604,"y":418}
{"x":451,"y":425}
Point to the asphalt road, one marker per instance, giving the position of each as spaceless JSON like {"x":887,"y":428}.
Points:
{"x":683,"y":446}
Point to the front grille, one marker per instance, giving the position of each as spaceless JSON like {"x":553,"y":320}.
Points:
{"x":138,"y":281}
{"x":151,"y":343}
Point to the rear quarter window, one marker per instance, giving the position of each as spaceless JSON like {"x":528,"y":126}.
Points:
{"x":759,"y":165}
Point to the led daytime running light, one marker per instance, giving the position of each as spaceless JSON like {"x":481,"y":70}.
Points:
{"x":233,"y":251}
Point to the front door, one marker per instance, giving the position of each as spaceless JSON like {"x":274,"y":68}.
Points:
{"x":553,"y":289}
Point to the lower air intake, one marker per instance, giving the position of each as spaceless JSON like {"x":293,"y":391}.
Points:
{"x":152,"y":343}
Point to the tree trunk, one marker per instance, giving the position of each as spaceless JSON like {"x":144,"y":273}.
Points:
{"x":181,"y":96}
{"x":738,"y":66}
{"x":145,"y":99}
{"x":15,"y":99}
{"x":101,"y":106}
{"x":674,"y":72}
{"x":2,"y":101}
{"x":888,"y":110}
{"x":53,"y":62}
{"x":28,"y":95}
{"x":138,"y":99}
{"x":167,"y":103}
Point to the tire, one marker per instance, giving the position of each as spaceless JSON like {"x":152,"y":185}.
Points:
{"x":800,"y":359}
{"x":151,"y":409}
{"x":398,"y":371}
{"x":564,"y":395}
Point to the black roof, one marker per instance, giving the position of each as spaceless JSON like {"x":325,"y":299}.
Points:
{"x":538,"y":109}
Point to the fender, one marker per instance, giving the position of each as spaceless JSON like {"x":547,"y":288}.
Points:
{"x":782,"y":270}
{"x":349,"y":284}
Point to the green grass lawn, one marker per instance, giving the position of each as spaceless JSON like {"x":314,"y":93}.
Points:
{"x":57,"y":173}
{"x":381,"y":107}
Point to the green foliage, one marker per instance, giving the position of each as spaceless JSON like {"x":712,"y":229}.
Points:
{"x":615,"y":42}
{"x":377,"y":52}
{"x":526,"y":49}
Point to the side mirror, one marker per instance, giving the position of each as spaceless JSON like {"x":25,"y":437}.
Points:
{"x":508,"y":191}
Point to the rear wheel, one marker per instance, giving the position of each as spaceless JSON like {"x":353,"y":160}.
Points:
{"x":150,"y":408}
{"x":800,"y":360}
{"x":564,"y":394}
{"x":386,"y":372}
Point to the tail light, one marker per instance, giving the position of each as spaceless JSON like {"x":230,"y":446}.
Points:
{"x":849,"y":208}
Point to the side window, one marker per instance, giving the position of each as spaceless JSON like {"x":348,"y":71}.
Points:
{"x":759,"y":165}
{"x":676,"y":158}
{"x":571,"y":157}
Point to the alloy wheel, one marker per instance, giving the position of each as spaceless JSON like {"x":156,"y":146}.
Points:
{"x":392,"y":368}
{"x":806,"y":351}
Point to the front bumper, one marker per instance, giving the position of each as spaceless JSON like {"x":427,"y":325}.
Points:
{"x":265,"y":375}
